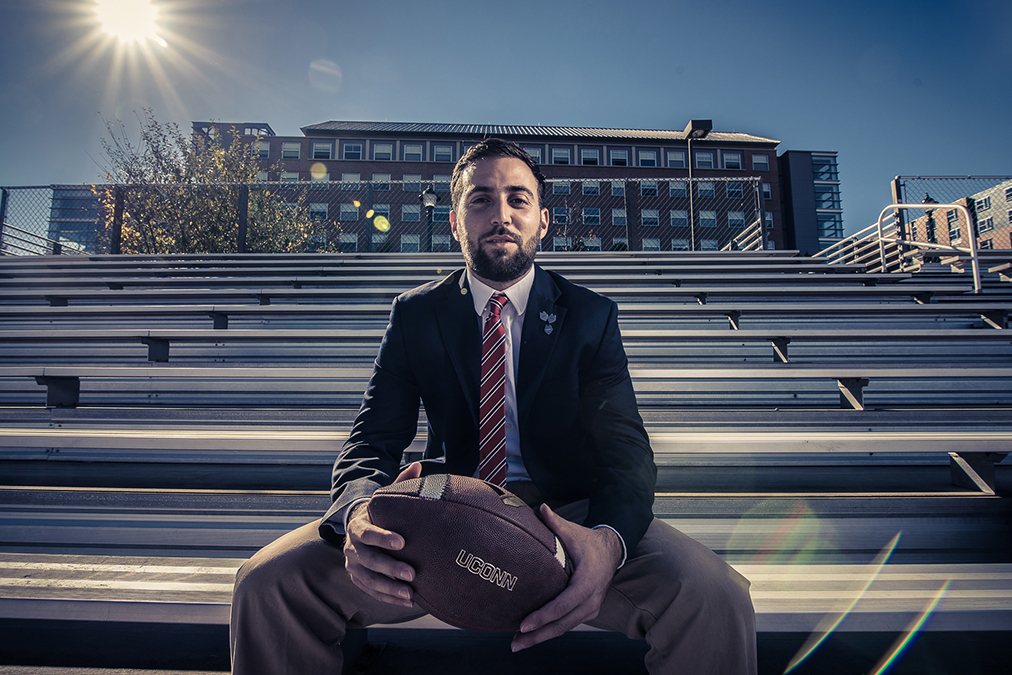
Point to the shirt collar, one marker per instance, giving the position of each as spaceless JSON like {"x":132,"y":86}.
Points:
{"x":518,"y":293}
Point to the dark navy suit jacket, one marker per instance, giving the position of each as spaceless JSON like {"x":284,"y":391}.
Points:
{"x":581,"y":435}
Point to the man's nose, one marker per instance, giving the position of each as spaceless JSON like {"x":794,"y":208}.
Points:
{"x":502,"y":213}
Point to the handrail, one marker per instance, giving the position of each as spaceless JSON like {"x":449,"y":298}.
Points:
{"x":56,"y":247}
{"x":970,"y":235}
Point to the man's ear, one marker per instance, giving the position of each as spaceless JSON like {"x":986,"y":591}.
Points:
{"x":544,"y":224}
{"x":453,"y":225}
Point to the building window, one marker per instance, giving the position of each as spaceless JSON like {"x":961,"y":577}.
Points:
{"x":706,"y":189}
{"x":708,"y":219}
{"x":592,"y":243}
{"x":618,"y":217}
{"x":649,"y":217}
{"x":651,"y":244}
{"x":441,"y":182}
{"x":735,"y":190}
{"x":985,"y":225}
{"x":412,"y":152}
{"x":560,"y":155}
{"x":290,"y":150}
{"x":679,"y":244}
{"x":648,"y":158}
{"x":830,"y":225}
{"x":382,"y":151}
{"x":678,"y":189}
{"x":440,"y":243}
{"x":676,"y":159}
{"x":560,"y":215}
{"x":732,"y":160}
{"x":289,"y":176}
{"x":534,"y":151}
{"x":262,"y":176}
{"x":618,"y":188}
{"x":591,"y":187}
{"x":409,"y":243}
{"x":986,"y":244}
{"x":827,"y":197}
{"x":441,"y":214}
{"x":411,"y":213}
{"x":412,"y":182}
{"x":560,"y":188}
{"x":442,"y":153}
{"x":380,"y":210}
{"x":736,"y":219}
{"x":824,"y":167}
{"x":619,"y":157}
{"x":708,"y":245}
{"x":319,"y":181}
{"x":590,"y":157}
{"x":592,"y":216}
{"x":679,"y":218}
{"x":768,"y":219}
{"x":560,"y":243}
{"x":351,"y":181}
{"x":322,"y":150}
{"x":983,"y":204}
{"x":379,"y":240}
{"x":619,"y":244}
{"x":353,"y":151}
{"x":348,"y":242}
{"x":767,"y":191}
{"x":317,"y":211}
{"x":263,"y":150}
{"x":760,"y":163}
{"x":381,"y":182}
{"x":648,"y":188}
{"x":704,"y":159}
{"x":349,"y":212}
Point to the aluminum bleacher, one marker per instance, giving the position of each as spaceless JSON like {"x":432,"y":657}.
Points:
{"x":163,"y":417}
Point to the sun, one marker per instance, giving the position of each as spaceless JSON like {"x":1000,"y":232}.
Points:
{"x":129,"y":21}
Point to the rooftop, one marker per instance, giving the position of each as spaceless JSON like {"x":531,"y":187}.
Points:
{"x":489,"y":130}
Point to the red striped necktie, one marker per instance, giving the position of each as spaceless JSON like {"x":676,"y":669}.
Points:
{"x":492,"y":408}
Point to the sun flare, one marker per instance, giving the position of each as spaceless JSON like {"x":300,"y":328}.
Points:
{"x":129,"y":21}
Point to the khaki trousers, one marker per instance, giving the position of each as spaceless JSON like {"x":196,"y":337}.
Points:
{"x":293,"y":602}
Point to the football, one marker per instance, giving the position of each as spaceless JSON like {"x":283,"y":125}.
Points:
{"x":483,"y":559}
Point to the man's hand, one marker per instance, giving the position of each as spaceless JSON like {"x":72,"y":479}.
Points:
{"x":596,"y":554}
{"x":370,"y":568}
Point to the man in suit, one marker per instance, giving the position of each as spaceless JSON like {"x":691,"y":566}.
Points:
{"x":569,"y":441}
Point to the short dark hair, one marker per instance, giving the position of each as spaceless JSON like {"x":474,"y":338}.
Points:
{"x":493,"y":148}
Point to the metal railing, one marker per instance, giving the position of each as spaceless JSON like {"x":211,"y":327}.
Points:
{"x":883,"y":243}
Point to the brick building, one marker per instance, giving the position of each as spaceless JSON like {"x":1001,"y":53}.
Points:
{"x":991,"y":211}
{"x":610,"y":189}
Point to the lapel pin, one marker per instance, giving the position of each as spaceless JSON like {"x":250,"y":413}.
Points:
{"x":549,"y":319}
{"x":548,"y":329}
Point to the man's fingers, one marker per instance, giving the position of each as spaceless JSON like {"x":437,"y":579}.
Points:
{"x":381,"y":587}
{"x":413,"y":470}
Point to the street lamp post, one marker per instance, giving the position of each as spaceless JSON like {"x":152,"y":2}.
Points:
{"x":428,"y":198}
{"x":695,"y":129}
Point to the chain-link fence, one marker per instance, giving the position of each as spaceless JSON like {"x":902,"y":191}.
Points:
{"x":374,"y":216}
{"x":987,"y":198}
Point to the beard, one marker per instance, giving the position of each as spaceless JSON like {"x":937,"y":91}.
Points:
{"x":499,"y":266}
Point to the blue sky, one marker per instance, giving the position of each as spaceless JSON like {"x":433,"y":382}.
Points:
{"x":897,"y":88}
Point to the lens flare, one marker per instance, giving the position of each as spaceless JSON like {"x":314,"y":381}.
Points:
{"x":370,"y":213}
{"x":318,"y":171}
{"x":910,"y":635}
{"x":381,"y":223}
{"x":357,"y":203}
{"x":830,"y":622}
{"x":325,"y":75}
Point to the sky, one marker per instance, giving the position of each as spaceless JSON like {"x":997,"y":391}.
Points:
{"x":897,"y":87}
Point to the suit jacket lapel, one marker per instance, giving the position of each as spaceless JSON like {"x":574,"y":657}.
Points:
{"x":461,"y":334}
{"x":538,"y":344}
